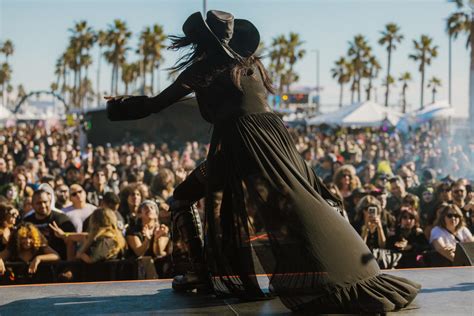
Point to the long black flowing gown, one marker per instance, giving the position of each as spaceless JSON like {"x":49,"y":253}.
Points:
{"x":265,"y":207}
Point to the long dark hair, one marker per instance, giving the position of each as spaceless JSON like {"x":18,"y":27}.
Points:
{"x":198,"y":51}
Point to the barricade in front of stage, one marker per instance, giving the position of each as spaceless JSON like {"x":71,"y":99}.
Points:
{"x":67,"y":271}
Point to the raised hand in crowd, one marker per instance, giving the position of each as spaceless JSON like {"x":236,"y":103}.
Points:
{"x":162,"y":231}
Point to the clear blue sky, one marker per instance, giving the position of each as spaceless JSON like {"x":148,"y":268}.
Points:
{"x":39,"y":31}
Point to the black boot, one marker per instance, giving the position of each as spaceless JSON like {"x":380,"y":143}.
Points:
{"x":187,"y":223}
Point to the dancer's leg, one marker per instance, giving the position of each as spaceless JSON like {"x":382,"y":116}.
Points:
{"x":187,"y":223}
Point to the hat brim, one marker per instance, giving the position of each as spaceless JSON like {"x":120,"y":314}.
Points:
{"x":246,"y":38}
{"x":244,"y":41}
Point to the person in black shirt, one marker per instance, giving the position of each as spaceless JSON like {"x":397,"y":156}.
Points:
{"x":5,"y":175}
{"x":409,"y":239}
{"x":43,"y":215}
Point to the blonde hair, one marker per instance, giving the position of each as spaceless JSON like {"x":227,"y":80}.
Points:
{"x":28,"y":229}
{"x":103,"y":223}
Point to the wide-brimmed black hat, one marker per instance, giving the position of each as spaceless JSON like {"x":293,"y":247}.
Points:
{"x":237,"y":38}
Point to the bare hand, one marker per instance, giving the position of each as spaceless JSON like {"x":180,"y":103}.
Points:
{"x":469,"y":207}
{"x":401,"y":244}
{"x":58,"y":232}
{"x":147,"y":232}
{"x":2,"y":267}
{"x":163,"y":231}
{"x":34,"y":265}
{"x":116,"y":98}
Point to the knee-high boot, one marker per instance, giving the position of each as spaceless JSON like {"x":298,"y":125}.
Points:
{"x":187,"y":223}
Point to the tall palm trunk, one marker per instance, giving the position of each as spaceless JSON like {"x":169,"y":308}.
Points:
{"x":404,"y":94}
{"x":341,"y":91}
{"x":471,"y":76}
{"x":389,"y":61}
{"x":86,"y":88}
{"x":112,"y":79}
{"x":353,"y":85}
{"x":116,"y":78}
{"x":98,"y":76}
{"x":143,"y":71}
{"x":422,"y":81}
{"x":450,"y":68}
{"x":4,"y":96}
{"x":369,"y":86}
{"x":152,"y":71}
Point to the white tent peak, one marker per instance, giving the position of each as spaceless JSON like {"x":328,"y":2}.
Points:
{"x":4,"y":113}
{"x":363,"y":114}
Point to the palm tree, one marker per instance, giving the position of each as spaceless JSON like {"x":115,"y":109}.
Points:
{"x":83,"y":38}
{"x":434,"y":83}
{"x":359,"y":51}
{"x":20,"y":93}
{"x":342,"y":74}
{"x":404,"y":78}
{"x":117,"y":40}
{"x":101,"y":39}
{"x":390,"y":37}
{"x":388,"y":81}
{"x":86,"y":61}
{"x":277,"y":61}
{"x":129,"y":74}
{"x":144,"y":52}
{"x":293,"y":54}
{"x":459,"y":22}
{"x":284,"y":53}
{"x":425,"y":51}
{"x":371,"y":72}
{"x":7,"y":49}
{"x":5,"y":77}
{"x":455,"y":25}
{"x":157,"y":41}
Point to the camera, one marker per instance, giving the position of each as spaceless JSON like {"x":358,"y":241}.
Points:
{"x":372,"y":210}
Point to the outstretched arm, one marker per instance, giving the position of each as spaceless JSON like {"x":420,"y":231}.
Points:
{"x":123,"y":108}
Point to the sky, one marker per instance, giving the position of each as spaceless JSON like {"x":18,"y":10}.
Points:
{"x":39,"y":31}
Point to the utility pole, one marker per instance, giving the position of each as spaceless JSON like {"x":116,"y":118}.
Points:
{"x":204,"y":8}
{"x":318,"y":86}
{"x":471,"y":74}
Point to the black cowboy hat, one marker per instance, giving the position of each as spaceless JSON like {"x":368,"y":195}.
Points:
{"x":236,"y":37}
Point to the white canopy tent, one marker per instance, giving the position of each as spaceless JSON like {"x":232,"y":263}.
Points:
{"x":440,"y":110}
{"x":5,"y":114}
{"x":435,"y":111}
{"x":364,"y":114}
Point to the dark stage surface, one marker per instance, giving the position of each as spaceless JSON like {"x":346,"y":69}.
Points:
{"x":446,"y":291}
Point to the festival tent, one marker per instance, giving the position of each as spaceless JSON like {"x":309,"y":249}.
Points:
{"x":4,"y":114}
{"x":437,"y":111}
{"x":364,"y":114}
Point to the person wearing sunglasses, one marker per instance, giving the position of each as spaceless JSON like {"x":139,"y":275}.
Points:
{"x":8,"y":221}
{"x":450,"y":229}
{"x":408,"y":240}
{"x":80,"y":209}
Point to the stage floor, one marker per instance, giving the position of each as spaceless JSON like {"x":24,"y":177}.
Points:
{"x":446,"y":291}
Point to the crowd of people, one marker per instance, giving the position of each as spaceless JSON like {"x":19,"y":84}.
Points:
{"x":408,"y":196}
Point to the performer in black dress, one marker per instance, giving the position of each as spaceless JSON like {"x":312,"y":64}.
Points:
{"x":264,"y":206}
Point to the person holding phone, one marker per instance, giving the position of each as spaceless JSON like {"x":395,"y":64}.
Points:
{"x":372,"y":231}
